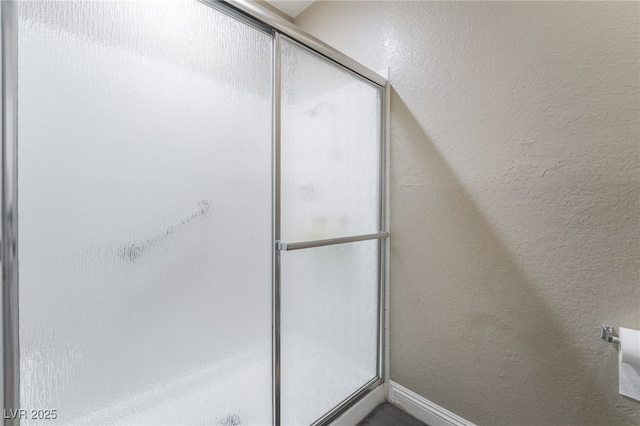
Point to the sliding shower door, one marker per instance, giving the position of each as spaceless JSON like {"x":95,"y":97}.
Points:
{"x":198,"y":218}
{"x":145,"y":243}
{"x":330,"y":149}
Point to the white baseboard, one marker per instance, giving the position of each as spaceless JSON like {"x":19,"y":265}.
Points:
{"x":360,"y":410}
{"x":423,"y":409}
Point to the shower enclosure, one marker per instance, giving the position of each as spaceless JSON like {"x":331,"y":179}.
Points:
{"x":192,"y":226}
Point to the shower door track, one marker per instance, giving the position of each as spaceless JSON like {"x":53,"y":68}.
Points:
{"x":10,"y":345}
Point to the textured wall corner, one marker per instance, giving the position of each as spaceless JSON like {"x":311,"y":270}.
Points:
{"x":515,"y":199}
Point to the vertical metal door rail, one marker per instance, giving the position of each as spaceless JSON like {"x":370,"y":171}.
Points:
{"x":382,"y":242}
{"x":276,"y":228}
{"x":11,"y":348}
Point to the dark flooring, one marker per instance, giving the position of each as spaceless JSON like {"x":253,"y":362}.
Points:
{"x":387,"y":414}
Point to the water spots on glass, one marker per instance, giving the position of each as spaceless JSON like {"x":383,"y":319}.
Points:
{"x":132,"y":252}
{"x":330,"y":149}
{"x":231,"y":420}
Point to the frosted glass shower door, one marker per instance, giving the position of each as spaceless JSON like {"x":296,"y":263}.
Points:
{"x":145,"y":243}
{"x":330,"y":147}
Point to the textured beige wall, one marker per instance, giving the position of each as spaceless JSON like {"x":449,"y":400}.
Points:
{"x":515,"y":198}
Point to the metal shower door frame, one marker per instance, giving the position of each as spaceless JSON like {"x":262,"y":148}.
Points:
{"x":327,"y":54}
{"x":10,"y":346}
{"x":254,"y":15}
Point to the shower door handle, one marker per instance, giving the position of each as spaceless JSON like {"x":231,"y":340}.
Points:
{"x":329,"y":242}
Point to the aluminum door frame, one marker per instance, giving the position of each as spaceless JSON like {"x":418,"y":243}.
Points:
{"x":254,"y":15}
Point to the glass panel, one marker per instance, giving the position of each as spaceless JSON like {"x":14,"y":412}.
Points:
{"x":329,"y":327}
{"x":330,"y":149}
{"x":145,"y":214}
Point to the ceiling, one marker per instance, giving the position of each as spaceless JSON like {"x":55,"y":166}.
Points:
{"x":291,"y":7}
